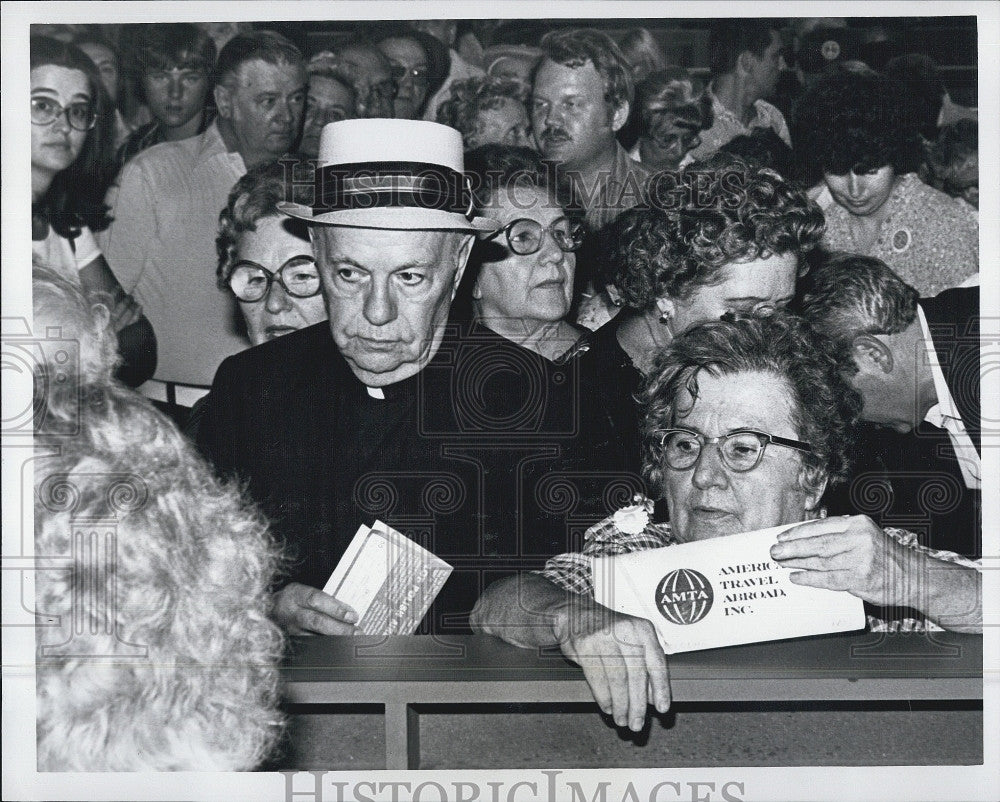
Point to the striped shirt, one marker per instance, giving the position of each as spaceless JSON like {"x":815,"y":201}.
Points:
{"x":572,"y":571}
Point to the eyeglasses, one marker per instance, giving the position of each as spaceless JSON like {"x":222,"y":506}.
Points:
{"x":81,"y":116}
{"x":417,"y":74}
{"x":250,"y":281}
{"x":525,"y":236}
{"x":741,"y":450}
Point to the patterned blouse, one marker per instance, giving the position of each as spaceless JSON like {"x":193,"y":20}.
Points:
{"x":572,"y":571}
{"x":929,"y":239}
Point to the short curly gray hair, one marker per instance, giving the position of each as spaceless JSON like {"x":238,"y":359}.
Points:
{"x":825,"y":408}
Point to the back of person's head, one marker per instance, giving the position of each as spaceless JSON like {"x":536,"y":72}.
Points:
{"x":846,"y":295}
{"x":257,"y":195}
{"x":468,"y":98}
{"x":684,"y":96}
{"x":764,"y":148}
{"x":173,"y":45}
{"x":953,"y":160}
{"x":62,"y":313}
{"x":853,"y":120}
{"x":267,"y":46}
{"x":76,"y":195}
{"x":641,"y":51}
{"x":729,"y":38}
{"x":575,"y":47}
{"x":156,"y":652}
{"x":923,"y":88}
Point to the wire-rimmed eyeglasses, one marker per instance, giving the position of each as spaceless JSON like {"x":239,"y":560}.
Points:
{"x":741,"y":450}
{"x":81,"y":116}
{"x":298,"y":276}
{"x":525,"y":236}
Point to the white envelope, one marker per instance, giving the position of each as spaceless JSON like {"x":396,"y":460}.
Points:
{"x":721,"y":592}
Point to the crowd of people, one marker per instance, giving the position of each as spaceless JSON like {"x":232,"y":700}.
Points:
{"x":488,"y":294}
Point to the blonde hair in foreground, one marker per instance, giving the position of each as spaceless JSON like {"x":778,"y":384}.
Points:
{"x":154,"y":647}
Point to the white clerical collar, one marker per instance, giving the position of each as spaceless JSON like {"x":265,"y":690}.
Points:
{"x":945,"y":415}
{"x":376,"y":392}
{"x":945,"y":406}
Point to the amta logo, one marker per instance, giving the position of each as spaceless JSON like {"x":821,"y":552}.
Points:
{"x":684,"y":596}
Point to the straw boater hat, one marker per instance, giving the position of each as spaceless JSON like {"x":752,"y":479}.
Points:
{"x":398,"y":174}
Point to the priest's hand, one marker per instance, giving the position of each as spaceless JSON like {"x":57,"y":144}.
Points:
{"x":304,"y":610}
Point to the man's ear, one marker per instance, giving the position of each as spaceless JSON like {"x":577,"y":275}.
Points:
{"x":224,"y":101}
{"x":813,"y":481}
{"x":871,"y":354}
{"x":620,"y":116}
{"x":461,"y":260}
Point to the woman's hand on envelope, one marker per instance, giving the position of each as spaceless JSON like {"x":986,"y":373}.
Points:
{"x":852,"y":553}
{"x":621,"y":659}
{"x":304,"y":610}
{"x":846,"y":553}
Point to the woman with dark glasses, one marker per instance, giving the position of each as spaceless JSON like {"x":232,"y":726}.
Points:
{"x":72,"y":142}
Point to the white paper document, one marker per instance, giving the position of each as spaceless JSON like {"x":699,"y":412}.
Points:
{"x":720,"y":592}
{"x":388,"y":579}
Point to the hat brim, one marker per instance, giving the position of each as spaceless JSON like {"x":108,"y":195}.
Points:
{"x":397,"y":217}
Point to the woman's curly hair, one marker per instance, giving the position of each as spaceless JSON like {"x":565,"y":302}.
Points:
{"x":857,"y":121}
{"x":825,"y":409}
{"x":722,"y":210}
{"x":257,"y":195}
{"x":471,"y":97}
{"x":155,"y":650}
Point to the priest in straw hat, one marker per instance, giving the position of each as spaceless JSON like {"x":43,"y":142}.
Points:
{"x":307,"y":420}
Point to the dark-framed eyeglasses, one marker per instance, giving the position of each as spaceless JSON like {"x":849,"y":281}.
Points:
{"x":416,"y":74}
{"x":741,"y":450}
{"x":81,"y":116}
{"x":298,"y":276}
{"x":525,"y":236}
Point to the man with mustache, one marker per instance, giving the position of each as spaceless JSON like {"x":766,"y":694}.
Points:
{"x":165,"y":208}
{"x":580,"y":98}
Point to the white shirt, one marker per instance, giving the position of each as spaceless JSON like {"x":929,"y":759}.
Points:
{"x":56,"y":253}
{"x":945,"y":415}
{"x":165,"y":207}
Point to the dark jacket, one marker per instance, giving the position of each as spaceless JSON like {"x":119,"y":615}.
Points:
{"x":913,"y":480}
{"x":491,"y":457}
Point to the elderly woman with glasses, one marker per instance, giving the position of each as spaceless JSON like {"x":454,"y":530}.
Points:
{"x":521,"y":279}
{"x":265,"y":258}
{"x":747,"y":420}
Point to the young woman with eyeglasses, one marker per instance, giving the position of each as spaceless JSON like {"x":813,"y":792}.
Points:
{"x":72,"y":141}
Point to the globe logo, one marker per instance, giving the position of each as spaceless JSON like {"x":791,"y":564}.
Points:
{"x":684,"y":596}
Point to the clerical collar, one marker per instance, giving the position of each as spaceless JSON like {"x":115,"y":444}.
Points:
{"x":376,"y":392}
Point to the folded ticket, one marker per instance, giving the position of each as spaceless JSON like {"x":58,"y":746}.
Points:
{"x":720,"y":592}
{"x":389,"y":580}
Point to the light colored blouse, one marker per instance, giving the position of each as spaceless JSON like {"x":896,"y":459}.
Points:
{"x":929,"y":239}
